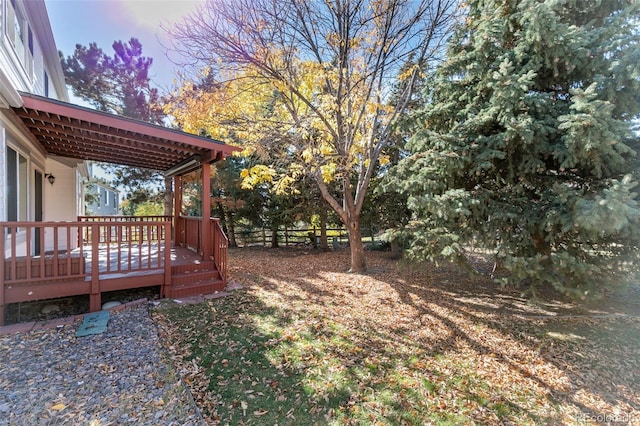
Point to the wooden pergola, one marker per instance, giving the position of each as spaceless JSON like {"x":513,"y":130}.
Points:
{"x":98,"y":254}
{"x":72,"y":131}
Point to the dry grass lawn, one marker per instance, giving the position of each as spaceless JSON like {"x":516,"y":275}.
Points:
{"x":307,"y":343}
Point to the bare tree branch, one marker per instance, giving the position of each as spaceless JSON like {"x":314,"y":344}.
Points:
{"x":357,"y":48}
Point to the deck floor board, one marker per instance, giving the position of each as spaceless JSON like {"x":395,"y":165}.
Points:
{"x":141,"y":255}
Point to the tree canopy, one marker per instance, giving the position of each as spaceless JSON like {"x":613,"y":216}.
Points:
{"x":526,"y":145}
{"x":319,"y":76}
{"x":120,"y":84}
{"x":117,"y":84}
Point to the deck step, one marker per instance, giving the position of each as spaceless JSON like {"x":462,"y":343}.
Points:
{"x":200,"y":266}
{"x":200,"y":277}
{"x":193,"y":289}
{"x":194,"y":277}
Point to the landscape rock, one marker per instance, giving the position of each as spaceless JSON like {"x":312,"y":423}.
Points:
{"x":49,"y":309}
{"x":49,"y":376}
{"x":110,"y":305}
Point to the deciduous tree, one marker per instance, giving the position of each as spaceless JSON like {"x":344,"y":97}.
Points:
{"x":329,"y":66}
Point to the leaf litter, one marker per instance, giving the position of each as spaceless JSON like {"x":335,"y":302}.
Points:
{"x":307,"y":343}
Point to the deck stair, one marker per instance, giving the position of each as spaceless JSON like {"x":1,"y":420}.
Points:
{"x":193,"y":278}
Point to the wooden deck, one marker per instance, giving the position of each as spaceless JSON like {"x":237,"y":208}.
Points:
{"x":96,"y":257}
{"x":190,"y":274}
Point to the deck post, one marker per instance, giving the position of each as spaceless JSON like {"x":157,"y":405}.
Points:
{"x":94,"y":297}
{"x":178,"y":224}
{"x":206,"y":211}
{"x":166,"y":289}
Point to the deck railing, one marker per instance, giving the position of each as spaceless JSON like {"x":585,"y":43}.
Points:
{"x":41,"y":251}
{"x":189,"y":234}
{"x":151,"y":218}
{"x":125,"y":247}
{"x":43,"y":260}
{"x":133,"y":232}
{"x":220,"y":248}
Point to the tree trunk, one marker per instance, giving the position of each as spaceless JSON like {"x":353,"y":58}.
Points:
{"x":396,"y":252}
{"x":168,"y":196}
{"x":231,"y":234}
{"x":540,"y":244}
{"x":274,"y":237}
{"x":226,"y":222}
{"x":222,"y":217}
{"x":312,"y":238}
{"x":349,"y":214}
{"x":358,"y":263}
{"x":324,"y":245}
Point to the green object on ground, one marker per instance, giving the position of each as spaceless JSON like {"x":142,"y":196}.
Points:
{"x":95,"y":323}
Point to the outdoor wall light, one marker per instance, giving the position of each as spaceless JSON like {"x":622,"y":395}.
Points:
{"x":51,"y":178}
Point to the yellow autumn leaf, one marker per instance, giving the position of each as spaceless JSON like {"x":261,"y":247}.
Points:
{"x":326,"y":149}
{"x":285,"y":185}
{"x":307,"y":155}
{"x":328,"y":172}
{"x":257,"y":175}
{"x":59,"y":407}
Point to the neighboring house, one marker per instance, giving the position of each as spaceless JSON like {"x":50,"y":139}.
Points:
{"x":101,"y":199}
{"x":49,"y":247}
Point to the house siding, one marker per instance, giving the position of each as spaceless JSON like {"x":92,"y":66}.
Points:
{"x":107,"y":203}
{"x":3,"y":166}
{"x":23,"y":67}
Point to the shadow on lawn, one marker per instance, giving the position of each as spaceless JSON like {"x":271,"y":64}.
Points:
{"x":248,"y":371}
{"x":479,"y":330}
{"x":516,"y":330}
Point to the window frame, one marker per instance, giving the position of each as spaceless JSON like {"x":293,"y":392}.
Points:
{"x":17,"y":182}
{"x":24,"y":52}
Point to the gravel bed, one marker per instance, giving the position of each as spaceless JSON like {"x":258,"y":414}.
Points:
{"x":50,"y":377}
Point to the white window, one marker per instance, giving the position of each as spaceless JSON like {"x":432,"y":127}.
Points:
{"x":17,"y":184}
{"x":19,"y":35}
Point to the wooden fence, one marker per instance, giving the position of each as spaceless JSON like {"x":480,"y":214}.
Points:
{"x":297,"y":237}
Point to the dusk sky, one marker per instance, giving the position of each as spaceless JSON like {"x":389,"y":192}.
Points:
{"x":104,"y":21}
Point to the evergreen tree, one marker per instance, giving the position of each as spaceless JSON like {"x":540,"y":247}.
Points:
{"x":527,"y":147}
{"x":117,"y":84}
{"x":120,"y":84}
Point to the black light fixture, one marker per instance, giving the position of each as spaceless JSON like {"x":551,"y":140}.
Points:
{"x":51,"y":178}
